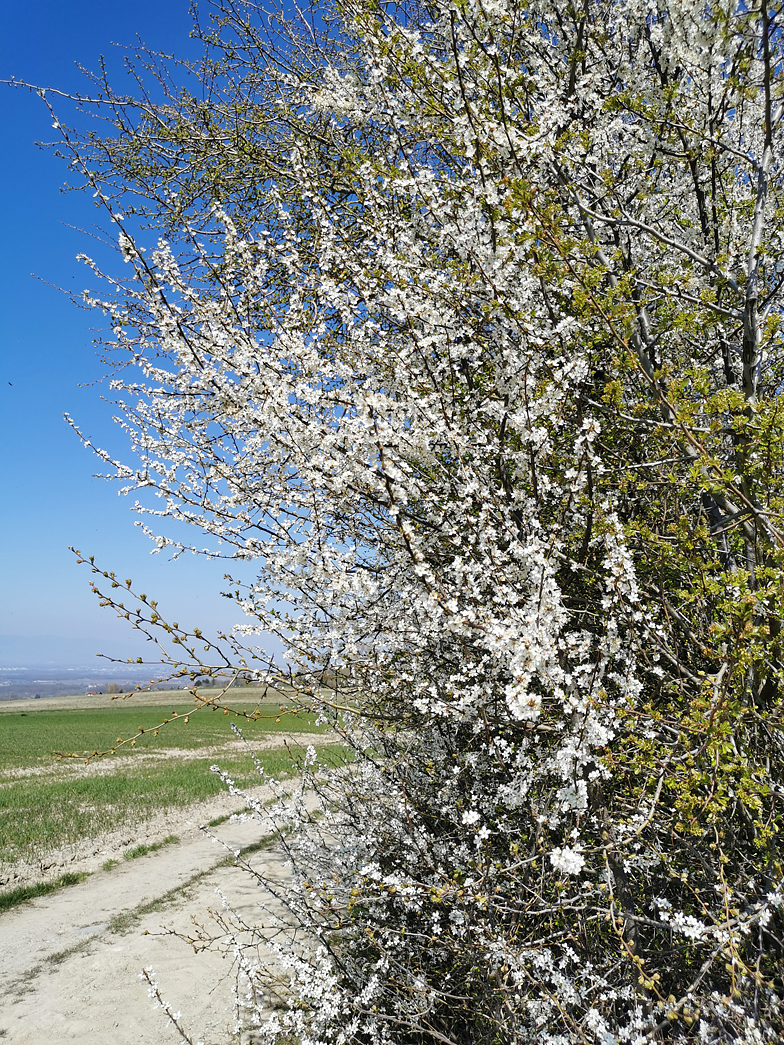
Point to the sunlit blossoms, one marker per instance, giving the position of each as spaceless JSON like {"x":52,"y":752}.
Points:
{"x":463,"y":322}
{"x":567,"y":860}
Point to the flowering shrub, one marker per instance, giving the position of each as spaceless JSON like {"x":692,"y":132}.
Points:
{"x":466,"y":326}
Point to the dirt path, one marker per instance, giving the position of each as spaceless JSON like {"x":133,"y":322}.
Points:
{"x":70,"y":962}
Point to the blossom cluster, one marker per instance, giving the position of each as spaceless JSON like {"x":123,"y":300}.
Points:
{"x":466,"y":384}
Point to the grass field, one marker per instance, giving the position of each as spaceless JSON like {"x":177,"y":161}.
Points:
{"x":32,"y":735}
{"x":45,"y":804}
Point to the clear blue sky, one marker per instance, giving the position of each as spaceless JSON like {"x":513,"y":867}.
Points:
{"x":48,"y":496}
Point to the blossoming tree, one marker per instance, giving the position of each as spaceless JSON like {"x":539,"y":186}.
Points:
{"x":465,"y":325}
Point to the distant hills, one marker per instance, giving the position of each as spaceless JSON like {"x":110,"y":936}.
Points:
{"x":49,"y":665}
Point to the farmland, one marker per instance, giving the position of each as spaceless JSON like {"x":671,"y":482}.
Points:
{"x":102,"y":854}
{"x":75,"y":768}
{"x":32,"y":733}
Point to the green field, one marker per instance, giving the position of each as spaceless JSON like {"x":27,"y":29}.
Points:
{"x":32,"y":735}
{"x":45,"y":804}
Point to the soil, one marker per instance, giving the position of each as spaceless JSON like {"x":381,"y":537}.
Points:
{"x":70,"y":962}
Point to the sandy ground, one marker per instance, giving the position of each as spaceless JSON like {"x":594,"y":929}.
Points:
{"x":70,"y":973}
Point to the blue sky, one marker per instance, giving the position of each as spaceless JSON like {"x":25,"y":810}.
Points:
{"x":48,"y":364}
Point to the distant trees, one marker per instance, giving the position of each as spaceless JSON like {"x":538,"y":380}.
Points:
{"x":465,"y":323}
